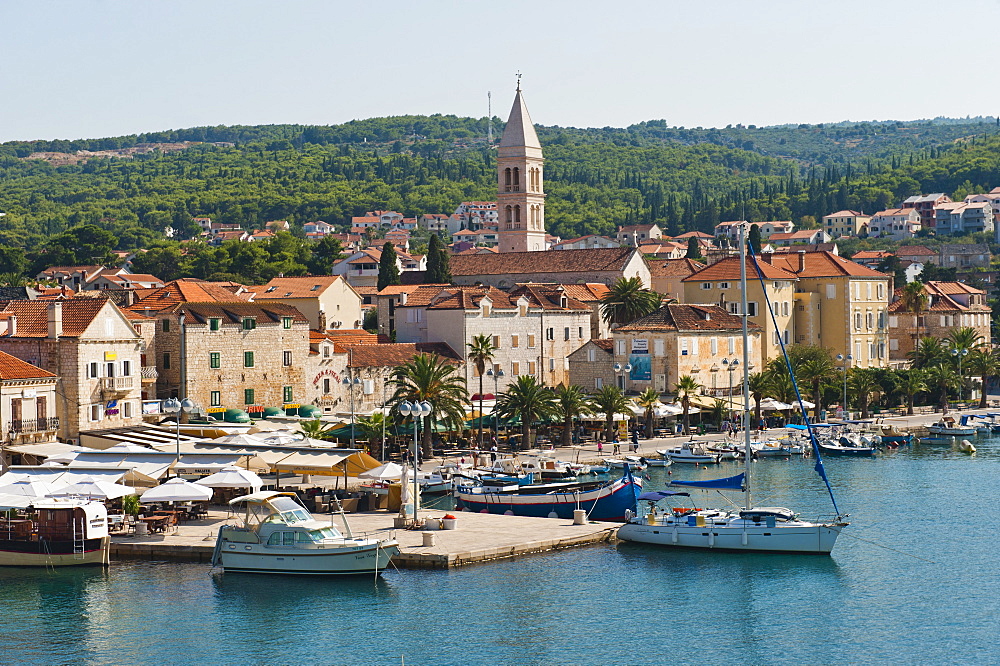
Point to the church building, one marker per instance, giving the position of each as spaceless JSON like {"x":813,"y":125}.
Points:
{"x":520,"y":197}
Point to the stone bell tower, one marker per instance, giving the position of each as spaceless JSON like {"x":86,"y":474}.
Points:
{"x":520,"y":197}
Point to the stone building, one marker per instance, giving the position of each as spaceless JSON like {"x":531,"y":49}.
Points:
{"x":504,"y":270}
{"x":91,"y":347}
{"x":521,"y":195}
{"x":668,"y":276}
{"x":232,"y":355}
{"x":591,"y":366}
{"x":950,"y":305}
{"x":680,"y":339}
{"x":327,"y":301}
{"x":27,"y":402}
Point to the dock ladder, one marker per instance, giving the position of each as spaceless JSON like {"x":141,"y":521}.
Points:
{"x":79,"y":543}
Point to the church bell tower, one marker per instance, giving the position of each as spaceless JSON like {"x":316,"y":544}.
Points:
{"x":520,"y":197}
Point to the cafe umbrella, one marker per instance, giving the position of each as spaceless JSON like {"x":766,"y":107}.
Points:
{"x":177,"y":490}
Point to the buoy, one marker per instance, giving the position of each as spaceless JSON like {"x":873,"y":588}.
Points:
{"x":669,"y":472}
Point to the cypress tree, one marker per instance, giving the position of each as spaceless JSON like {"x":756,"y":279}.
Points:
{"x":754,"y":239}
{"x":693,"y":251}
{"x":438,"y":263}
{"x":388,"y":271}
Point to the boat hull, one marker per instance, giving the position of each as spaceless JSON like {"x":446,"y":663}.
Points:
{"x":367,"y":558}
{"x":609,"y":502}
{"x":847,"y":451}
{"x":955,"y":432}
{"x":802,"y":538}
{"x":14,"y":553}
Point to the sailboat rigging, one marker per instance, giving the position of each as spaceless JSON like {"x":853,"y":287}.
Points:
{"x":768,"y":529}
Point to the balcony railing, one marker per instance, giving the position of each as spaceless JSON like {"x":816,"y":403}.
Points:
{"x":28,"y":426}
{"x":117,"y":383}
{"x":149,"y":373}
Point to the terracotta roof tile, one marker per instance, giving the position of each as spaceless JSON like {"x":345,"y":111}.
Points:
{"x":607,"y":344}
{"x":304,"y":286}
{"x":12,"y":367}
{"x":685,"y":317}
{"x":823,"y":264}
{"x":674,"y":267}
{"x":234,"y":313}
{"x":696,"y":234}
{"x":558,"y":261}
{"x":729,"y":269}
{"x":395,"y":354}
{"x":916,"y":250}
{"x":33,"y":317}
{"x":189,"y":290}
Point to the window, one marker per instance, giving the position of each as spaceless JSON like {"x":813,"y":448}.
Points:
{"x":684,"y":346}
{"x":126,"y":368}
{"x":248,"y":359}
{"x":111,"y":369}
{"x":552,"y":364}
{"x":713,"y":343}
{"x":215,"y":398}
{"x":166,"y":361}
{"x":214,"y":324}
{"x":706,"y":285}
{"x":326,"y":351}
{"x":92,"y":370}
{"x":166,"y":325}
{"x":723,"y":285}
{"x":868,"y":291}
{"x":249,"y":323}
{"x":579,"y":332}
{"x":857,"y":320}
{"x":215,"y":360}
{"x":515,"y":368}
{"x":658,"y":347}
{"x":732,"y":345}
{"x":621,"y":347}
{"x":486,"y":310}
{"x":95,"y":412}
{"x":286,"y":358}
{"x":127,"y":409}
{"x":550,"y":333}
{"x":752,"y":309}
{"x":893,"y":344}
{"x":831,"y":291}
{"x":880,"y":291}
{"x":286,"y":322}
{"x":869,"y":321}
{"x":598,"y":383}
{"x":785,"y":334}
{"x":531,"y":339}
{"x":531,"y":367}
{"x":286,"y":394}
{"x":247,"y":396}
{"x":326,"y":386}
{"x":496,"y":342}
{"x":514,"y":341}
{"x":566,"y":333}
{"x":591,"y":355}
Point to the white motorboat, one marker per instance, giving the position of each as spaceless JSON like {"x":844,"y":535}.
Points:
{"x":659,"y":462}
{"x":947,"y":426}
{"x":691,"y":453}
{"x":279,"y":535}
{"x":775,"y":449}
{"x":634,"y":462}
{"x":770,"y":529}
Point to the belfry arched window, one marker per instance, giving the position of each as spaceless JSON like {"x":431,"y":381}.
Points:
{"x":517,"y":216}
{"x":506,"y":180}
{"x":509,"y":216}
{"x":517,"y":179}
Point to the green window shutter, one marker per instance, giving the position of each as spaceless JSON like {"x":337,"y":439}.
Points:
{"x":248,"y":359}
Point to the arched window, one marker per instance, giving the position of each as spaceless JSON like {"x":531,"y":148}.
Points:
{"x":517,"y":179}
{"x":517,"y":217}
{"x":510,"y":217}
{"x":506,"y":180}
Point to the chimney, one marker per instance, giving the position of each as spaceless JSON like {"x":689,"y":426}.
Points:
{"x":802,"y":261}
{"x":10,"y":329}
{"x":767,"y":257}
{"x":55,"y":319}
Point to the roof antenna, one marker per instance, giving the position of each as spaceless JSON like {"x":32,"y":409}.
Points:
{"x":489,"y":113}
{"x":518,"y":80}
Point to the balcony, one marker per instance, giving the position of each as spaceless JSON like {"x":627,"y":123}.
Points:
{"x":29,"y":426}
{"x":117,"y":384}
{"x":148,"y":373}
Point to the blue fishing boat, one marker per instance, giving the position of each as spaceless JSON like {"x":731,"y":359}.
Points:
{"x":602,"y":501}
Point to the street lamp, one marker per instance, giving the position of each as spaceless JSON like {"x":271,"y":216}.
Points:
{"x":351,"y":385}
{"x":496,"y":392}
{"x":623,"y":371}
{"x":731,"y":367}
{"x":960,"y":353}
{"x":177,"y":407}
{"x":847,"y":362}
{"x":416,"y":410}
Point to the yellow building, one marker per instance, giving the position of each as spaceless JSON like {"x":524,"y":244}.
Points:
{"x":719,"y":284}
{"x":839,"y":304}
{"x":846,"y":223}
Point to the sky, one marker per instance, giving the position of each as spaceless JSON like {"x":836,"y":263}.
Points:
{"x":93,"y":68}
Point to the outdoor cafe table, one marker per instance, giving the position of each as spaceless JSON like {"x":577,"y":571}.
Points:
{"x":173,"y":516}
{"x":156,"y":523}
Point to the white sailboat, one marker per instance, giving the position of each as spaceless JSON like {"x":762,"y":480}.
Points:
{"x":767,"y":529}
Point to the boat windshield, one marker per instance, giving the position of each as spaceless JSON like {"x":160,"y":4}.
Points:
{"x":288,"y":511}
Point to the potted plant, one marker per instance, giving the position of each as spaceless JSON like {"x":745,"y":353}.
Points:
{"x":130,"y":506}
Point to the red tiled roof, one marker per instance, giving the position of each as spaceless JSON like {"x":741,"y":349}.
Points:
{"x":696,"y":234}
{"x":295,"y":286}
{"x":729,"y":269}
{"x":33,"y":318}
{"x":607,"y":344}
{"x":395,"y":354}
{"x":685,"y":317}
{"x":916,"y":250}
{"x":188,"y":290}
{"x":235,"y":313}
{"x":872,"y":254}
{"x":823,"y":264}
{"x":555,"y":261}
{"x":674,"y":267}
{"x":12,"y":367}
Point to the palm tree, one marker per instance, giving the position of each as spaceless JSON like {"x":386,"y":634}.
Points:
{"x":942,"y":378}
{"x":686,"y":387}
{"x":315,"y":429}
{"x":373,"y":429}
{"x":914,"y":299}
{"x":964,"y":338}
{"x":627,"y":300}
{"x":529,"y":400}
{"x":430,"y":378}
{"x":481,"y":352}
{"x":610,"y":401}
{"x":760,"y":385}
{"x":928,"y":352}
{"x":863,"y":384}
{"x":815,"y":371}
{"x":910,"y":383}
{"x":985,"y":364}
{"x":648,"y":400}
{"x":571,"y":402}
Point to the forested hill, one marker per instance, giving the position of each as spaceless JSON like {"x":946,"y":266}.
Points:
{"x":596,"y":178}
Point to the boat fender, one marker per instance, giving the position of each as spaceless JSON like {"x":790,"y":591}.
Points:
{"x":629,"y":514}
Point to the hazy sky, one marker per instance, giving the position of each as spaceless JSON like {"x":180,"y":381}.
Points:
{"x":93,"y":68}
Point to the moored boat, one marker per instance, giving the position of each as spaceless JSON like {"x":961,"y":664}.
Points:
{"x":279,"y":535}
{"x":691,"y":454}
{"x":59,"y":533}
{"x":947,"y":426}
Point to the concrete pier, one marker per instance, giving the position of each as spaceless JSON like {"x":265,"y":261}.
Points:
{"x":477,"y":538}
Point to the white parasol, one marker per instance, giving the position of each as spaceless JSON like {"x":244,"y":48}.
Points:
{"x":388,"y":472}
{"x":30,"y":488}
{"x":94,"y":488}
{"x":177,"y":490}
{"x":232,"y":477}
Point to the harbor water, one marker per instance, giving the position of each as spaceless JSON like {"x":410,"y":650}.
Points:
{"x":913,"y":580}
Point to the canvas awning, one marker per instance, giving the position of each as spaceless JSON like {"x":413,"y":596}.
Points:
{"x":324,"y":462}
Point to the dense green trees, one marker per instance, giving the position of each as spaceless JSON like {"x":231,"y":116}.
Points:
{"x":388,"y":268}
{"x":438,"y":263}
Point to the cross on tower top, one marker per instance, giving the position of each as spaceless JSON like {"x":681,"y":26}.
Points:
{"x":519,"y":81}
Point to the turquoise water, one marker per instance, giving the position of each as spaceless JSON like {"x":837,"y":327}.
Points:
{"x":596,"y":605}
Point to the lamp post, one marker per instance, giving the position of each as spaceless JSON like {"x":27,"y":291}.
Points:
{"x":177,"y":407}
{"x":417,"y":410}
{"x":351,"y":385}
{"x":730,"y":366}
{"x":847,"y":361}
{"x":623,"y":372}
{"x":496,"y":392}
{"x":959,"y":353}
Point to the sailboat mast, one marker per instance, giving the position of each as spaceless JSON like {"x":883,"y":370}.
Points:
{"x":746,"y":362}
